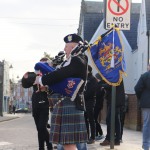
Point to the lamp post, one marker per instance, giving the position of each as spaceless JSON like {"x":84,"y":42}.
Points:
{"x":11,"y":88}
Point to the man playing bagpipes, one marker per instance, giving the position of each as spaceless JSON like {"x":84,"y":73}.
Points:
{"x":67,"y":122}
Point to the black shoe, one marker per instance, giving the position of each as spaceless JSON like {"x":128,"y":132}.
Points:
{"x":91,"y":141}
{"x":55,"y":147}
{"x":117,"y":142}
{"x":50,"y":146}
{"x":48,"y":126}
{"x":105,"y":143}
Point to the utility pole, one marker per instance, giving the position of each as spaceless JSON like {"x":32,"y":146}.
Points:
{"x":1,"y":87}
{"x":148,"y":46}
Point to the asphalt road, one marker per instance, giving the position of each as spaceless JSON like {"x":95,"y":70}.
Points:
{"x":21,"y":134}
{"x":18,"y":134}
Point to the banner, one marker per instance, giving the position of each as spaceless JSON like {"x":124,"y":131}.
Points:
{"x":107,"y":55}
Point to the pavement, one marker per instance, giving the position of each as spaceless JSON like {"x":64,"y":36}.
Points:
{"x":132,"y":140}
{"x":7,"y":117}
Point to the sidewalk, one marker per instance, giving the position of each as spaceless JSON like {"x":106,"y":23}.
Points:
{"x":7,"y":117}
{"x":132,"y":140}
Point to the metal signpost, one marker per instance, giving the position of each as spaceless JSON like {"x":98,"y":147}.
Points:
{"x":117,"y":13}
{"x":1,"y":87}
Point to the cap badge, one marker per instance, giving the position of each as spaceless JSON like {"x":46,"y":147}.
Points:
{"x":70,"y":38}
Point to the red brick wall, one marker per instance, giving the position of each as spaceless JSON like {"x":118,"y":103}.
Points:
{"x":133,"y":116}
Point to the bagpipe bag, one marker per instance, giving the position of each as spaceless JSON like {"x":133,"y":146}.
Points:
{"x":68,"y":87}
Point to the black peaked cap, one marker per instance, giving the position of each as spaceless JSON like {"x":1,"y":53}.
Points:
{"x":72,"y":38}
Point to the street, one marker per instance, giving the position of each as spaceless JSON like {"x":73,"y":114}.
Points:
{"x":21,"y":134}
{"x":18,"y":134}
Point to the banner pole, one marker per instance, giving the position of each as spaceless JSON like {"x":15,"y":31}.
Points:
{"x":112,"y":129}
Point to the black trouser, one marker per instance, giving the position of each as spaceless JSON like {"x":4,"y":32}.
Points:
{"x":117,"y":124}
{"x":89,"y":119}
{"x":41,"y":120}
{"x":99,"y":130}
{"x":122,"y":118}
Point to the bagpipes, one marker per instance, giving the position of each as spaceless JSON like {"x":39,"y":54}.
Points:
{"x":70,"y":86}
{"x":80,"y":48}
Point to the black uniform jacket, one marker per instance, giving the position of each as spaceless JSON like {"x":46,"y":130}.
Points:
{"x":39,"y":99}
{"x":142,"y":90}
{"x":120,"y":94}
{"x":100,"y":93}
{"x":90,"y":90}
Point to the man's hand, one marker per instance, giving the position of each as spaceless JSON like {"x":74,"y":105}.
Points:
{"x":39,"y":84}
{"x":37,"y":80}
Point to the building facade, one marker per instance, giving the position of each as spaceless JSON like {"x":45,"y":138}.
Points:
{"x":5,"y":91}
{"x":22,"y":97}
{"x":91,"y":26}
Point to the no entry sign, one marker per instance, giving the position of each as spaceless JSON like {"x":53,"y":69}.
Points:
{"x":118,"y":13}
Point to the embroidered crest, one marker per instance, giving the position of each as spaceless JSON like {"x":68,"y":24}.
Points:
{"x":105,"y":55}
{"x":70,"y":84}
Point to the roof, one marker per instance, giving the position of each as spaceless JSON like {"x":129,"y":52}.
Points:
{"x":92,"y":7}
{"x":131,"y":34}
{"x":92,"y":14}
{"x":94,"y":20}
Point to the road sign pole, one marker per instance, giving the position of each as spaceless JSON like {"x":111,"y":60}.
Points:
{"x":113,"y":109}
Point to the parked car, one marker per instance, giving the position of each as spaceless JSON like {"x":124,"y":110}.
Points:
{"x":22,"y":110}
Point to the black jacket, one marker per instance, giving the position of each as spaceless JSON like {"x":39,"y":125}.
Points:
{"x":142,"y":90}
{"x":100,"y":93}
{"x":90,"y":90}
{"x":39,"y":99}
{"x":120,"y":94}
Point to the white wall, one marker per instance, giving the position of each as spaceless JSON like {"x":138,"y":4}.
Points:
{"x":128,"y":80}
{"x":142,"y":43}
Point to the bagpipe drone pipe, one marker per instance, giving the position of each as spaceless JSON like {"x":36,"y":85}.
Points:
{"x":70,"y":86}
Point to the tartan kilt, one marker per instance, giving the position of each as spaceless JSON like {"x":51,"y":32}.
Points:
{"x":67,"y":124}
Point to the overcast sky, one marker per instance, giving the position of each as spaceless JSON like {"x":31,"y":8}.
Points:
{"x":28,"y":28}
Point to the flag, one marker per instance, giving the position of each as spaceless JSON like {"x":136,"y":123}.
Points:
{"x":107,"y":55}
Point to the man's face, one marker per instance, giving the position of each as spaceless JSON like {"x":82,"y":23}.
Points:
{"x":68,"y":48}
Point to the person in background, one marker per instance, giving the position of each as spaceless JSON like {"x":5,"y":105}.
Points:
{"x":40,"y":109}
{"x":14,"y":109}
{"x":123,"y":111}
{"x":120,"y":98}
{"x":142,"y":90}
{"x":67,"y":121}
{"x":100,"y":93}
{"x":90,"y":99}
